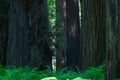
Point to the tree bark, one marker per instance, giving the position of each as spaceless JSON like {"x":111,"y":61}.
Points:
{"x":113,"y":40}
{"x":17,"y":49}
{"x":60,"y":33}
{"x":73,"y":50}
{"x":93,"y":27}
{"x":40,"y":49}
{"x":3,"y":31}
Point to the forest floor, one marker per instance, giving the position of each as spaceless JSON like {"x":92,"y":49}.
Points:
{"x":27,"y":73}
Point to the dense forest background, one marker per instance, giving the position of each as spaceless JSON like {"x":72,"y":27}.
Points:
{"x":76,"y":34}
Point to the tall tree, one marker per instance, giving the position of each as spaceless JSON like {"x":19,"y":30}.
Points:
{"x":17,"y":49}
{"x":113,"y":39}
{"x":73,"y":50}
{"x":40,"y":49}
{"x":3,"y":30}
{"x":99,"y":15}
{"x":88,"y":33}
{"x":93,"y":27}
{"x":60,"y":33}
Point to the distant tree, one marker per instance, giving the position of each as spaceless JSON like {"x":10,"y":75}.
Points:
{"x":73,"y":48}
{"x":17,"y":48}
{"x":113,"y":39}
{"x":60,"y":33}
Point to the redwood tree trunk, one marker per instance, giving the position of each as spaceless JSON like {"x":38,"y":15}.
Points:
{"x":113,"y":40}
{"x":60,"y":33}
{"x":40,"y":49}
{"x":3,"y":31}
{"x":73,"y":51}
{"x":93,"y":27}
{"x":17,"y":50}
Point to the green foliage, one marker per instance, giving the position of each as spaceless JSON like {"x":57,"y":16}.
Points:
{"x":94,"y":73}
{"x":117,"y":79}
{"x":56,"y":26}
{"x":13,"y":73}
{"x":52,"y":12}
{"x":79,"y":78}
{"x":49,"y":78}
{"x":27,"y":73}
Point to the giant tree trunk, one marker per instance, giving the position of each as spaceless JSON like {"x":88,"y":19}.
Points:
{"x":73,"y":51}
{"x":40,"y":49}
{"x":113,"y":40}
{"x":88,"y":33}
{"x":3,"y":31}
{"x":17,"y":50}
{"x":93,"y":27}
{"x":99,"y":24}
{"x":118,"y":54}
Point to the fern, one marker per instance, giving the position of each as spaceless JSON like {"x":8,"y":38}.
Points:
{"x":27,"y":73}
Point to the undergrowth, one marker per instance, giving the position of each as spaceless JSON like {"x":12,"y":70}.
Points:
{"x":27,"y":73}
